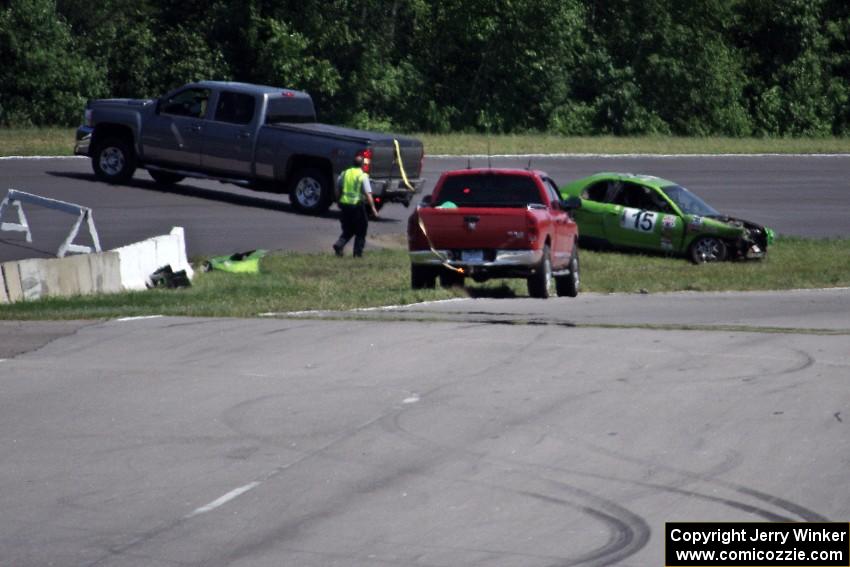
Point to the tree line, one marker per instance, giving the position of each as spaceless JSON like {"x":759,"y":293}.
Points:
{"x":571,"y":67}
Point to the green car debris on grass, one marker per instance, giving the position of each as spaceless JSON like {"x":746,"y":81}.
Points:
{"x":300,"y":282}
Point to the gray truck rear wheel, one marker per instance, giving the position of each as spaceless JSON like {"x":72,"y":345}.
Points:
{"x":310,"y":191}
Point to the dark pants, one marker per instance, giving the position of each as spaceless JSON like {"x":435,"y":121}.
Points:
{"x":355,"y":222}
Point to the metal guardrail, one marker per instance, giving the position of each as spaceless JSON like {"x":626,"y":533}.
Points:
{"x":15,"y":198}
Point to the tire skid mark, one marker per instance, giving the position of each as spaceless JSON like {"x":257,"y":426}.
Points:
{"x":783,"y":504}
{"x":807,"y":362}
{"x":629,"y":532}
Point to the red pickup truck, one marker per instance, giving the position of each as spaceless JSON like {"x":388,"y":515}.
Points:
{"x":495,"y":223}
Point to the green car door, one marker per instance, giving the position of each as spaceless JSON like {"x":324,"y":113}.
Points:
{"x":639,"y":216}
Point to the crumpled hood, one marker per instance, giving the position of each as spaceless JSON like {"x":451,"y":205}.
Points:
{"x":756,"y":232}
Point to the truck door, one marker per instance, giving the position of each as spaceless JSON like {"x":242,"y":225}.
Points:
{"x":229,"y":137}
{"x":562,"y":245}
{"x":174,"y":133}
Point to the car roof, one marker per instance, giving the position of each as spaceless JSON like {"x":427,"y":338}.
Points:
{"x":649,"y":180}
{"x":497,"y":171}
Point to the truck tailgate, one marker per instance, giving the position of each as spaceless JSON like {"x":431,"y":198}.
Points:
{"x":477,"y":228}
{"x":385,"y":162}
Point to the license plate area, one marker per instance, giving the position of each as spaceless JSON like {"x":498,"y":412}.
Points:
{"x":472,"y":256}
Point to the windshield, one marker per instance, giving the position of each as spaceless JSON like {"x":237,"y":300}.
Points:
{"x":491,"y":190}
{"x":689,"y":203}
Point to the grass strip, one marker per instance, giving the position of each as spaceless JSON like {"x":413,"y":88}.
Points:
{"x":36,"y":141}
{"x":60,"y":142}
{"x":303,"y":282}
{"x":478,"y":144}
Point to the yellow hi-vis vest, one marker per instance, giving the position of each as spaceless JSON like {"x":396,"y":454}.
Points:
{"x":352,"y":186}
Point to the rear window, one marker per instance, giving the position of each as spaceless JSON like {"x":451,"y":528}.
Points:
{"x":236,"y":108}
{"x":490,"y":190}
{"x":299,"y":110}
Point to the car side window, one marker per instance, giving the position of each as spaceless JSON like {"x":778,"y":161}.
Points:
{"x":641,"y":197}
{"x":235,"y":108}
{"x":596,"y":192}
{"x":552,"y":190}
{"x":191,"y":103}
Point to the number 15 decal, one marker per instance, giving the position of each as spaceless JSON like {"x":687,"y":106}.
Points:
{"x":636,"y":219}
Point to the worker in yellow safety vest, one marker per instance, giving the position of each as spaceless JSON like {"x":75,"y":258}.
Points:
{"x":353,"y":191}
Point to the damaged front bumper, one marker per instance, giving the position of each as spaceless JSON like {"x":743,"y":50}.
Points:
{"x":746,"y":240}
{"x":754,"y":241}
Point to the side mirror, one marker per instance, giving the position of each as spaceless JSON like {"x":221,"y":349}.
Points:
{"x":426,"y":201}
{"x":571,"y":203}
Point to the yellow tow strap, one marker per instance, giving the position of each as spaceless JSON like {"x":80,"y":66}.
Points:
{"x":443,"y":260}
{"x":401,"y":167}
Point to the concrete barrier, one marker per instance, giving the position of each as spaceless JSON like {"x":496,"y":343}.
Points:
{"x":12,"y":275}
{"x":125,"y":268}
{"x":106,"y":272}
{"x":140,"y":260}
{"x":4,"y":297}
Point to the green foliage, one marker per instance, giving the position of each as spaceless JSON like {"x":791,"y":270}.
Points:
{"x":184,"y":55}
{"x":44,"y":78}
{"x":283,"y":58}
{"x":570,"y":67}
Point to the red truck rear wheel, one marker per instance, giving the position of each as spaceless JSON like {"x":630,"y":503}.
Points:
{"x":568,"y":285}
{"x":422,"y":277}
{"x":450,"y":278}
{"x":541,"y":282}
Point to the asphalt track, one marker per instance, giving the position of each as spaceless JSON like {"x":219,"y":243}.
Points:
{"x":484,"y":432}
{"x":503,"y":432}
{"x":796,"y":195}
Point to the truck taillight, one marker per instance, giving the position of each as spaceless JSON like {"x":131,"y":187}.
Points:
{"x":87,"y":120}
{"x":531,"y":228}
{"x":421,"y":161}
{"x":367,"y":159}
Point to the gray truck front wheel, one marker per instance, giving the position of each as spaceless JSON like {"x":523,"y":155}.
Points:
{"x":113,"y":160}
{"x":310,"y":191}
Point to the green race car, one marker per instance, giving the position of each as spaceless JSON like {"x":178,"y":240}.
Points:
{"x":623,"y":210}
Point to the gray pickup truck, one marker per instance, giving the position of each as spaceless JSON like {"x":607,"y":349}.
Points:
{"x":266,"y":138}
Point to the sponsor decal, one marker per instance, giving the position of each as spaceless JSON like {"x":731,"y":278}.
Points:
{"x":666,"y":243}
{"x":695,"y":225}
{"x":668,"y":223}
